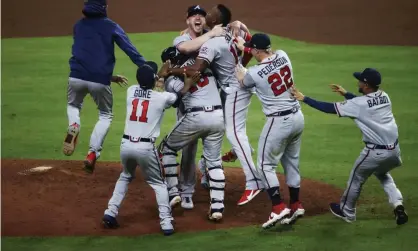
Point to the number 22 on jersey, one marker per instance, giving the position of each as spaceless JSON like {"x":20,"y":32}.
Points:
{"x":276,"y":82}
{"x":143,"y":118}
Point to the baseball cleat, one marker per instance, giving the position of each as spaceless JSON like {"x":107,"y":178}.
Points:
{"x":167,"y":226}
{"x":296,"y":211}
{"x":215,"y":214}
{"x":187,"y":203}
{"x":174,"y":200}
{"x":229,"y":157}
{"x":336,"y":210}
{"x":90,"y":162}
{"x":400,"y":215}
{"x":109,"y":222}
{"x":278,"y":213}
{"x":204,"y":180}
{"x":247,"y":196}
{"x":70,"y":140}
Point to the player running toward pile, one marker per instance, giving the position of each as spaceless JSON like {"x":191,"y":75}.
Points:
{"x":92,"y":65}
{"x":281,"y":137}
{"x":145,"y":109}
{"x":372,"y":112}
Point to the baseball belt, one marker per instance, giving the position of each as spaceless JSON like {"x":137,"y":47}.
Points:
{"x":138,"y":139}
{"x":284,"y":113}
{"x":208,"y":108}
{"x":381,"y":147}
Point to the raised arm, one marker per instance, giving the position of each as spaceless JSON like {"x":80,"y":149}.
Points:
{"x":125,"y":44}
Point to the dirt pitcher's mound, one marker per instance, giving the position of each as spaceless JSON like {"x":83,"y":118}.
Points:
{"x":64,"y":201}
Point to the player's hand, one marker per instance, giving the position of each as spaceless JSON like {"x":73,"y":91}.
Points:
{"x":163,"y":72}
{"x":240,"y":72}
{"x":217,"y":31}
{"x":237,"y":27}
{"x":297,"y":94}
{"x":120,"y":80}
{"x":191,"y":79}
{"x":338,"y":88}
{"x":159,"y":85}
{"x":239,"y":41}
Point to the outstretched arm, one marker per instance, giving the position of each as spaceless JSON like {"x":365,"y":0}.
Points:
{"x":125,"y":44}
{"x":319,"y":105}
{"x":339,"y":89}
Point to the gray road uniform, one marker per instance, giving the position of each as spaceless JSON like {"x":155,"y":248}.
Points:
{"x":280,"y":139}
{"x":187,"y":177}
{"x":203,"y":119}
{"x":373,"y":115}
{"x":144,"y":112}
{"x":221,"y":54}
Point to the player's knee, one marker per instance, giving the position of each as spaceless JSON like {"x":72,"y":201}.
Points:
{"x":126,"y":176}
{"x":108,"y":116}
{"x":293,"y":182}
{"x":230,"y":134}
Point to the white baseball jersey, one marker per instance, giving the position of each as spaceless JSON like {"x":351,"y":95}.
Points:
{"x":373,"y":115}
{"x":222,"y":54}
{"x":272,"y":78}
{"x":144,"y":111}
{"x":204,"y":93}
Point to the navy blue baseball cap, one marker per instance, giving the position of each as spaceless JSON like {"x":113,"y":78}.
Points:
{"x":259,"y":41}
{"x":369,"y":76}
{"x":146,"y":75}
{"x":102,"y":2}
{"x":195,"y":9}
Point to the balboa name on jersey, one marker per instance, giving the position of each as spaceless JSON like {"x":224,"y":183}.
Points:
{"x":377,"y":101}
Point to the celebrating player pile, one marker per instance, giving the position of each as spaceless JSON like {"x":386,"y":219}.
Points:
{"x":200,"y":62}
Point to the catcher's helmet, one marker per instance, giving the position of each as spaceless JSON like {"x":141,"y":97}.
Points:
{"x":170,"y":53}
{"x":146,"y":75}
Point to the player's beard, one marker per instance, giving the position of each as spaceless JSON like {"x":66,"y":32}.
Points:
{"x":360,"y":90}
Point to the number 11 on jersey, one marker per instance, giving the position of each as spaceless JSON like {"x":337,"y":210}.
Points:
{"x":143,"y":118}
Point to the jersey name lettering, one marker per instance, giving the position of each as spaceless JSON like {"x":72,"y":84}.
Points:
{"x":142,"y":93}
{"x":273,"y":65}
{"x":377,"y":101}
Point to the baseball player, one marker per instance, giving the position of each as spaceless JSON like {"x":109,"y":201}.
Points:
{"x":203,"y":119}
{"x":92,"y":65}
{"x":188,"y":44}
{"x":280,"y":139}
{"x":372,"y":112}
{"x":222,"y":55}
{"x":145,"y":109}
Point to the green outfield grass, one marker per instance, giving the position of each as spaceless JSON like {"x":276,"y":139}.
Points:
{"x":34,"y":121}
